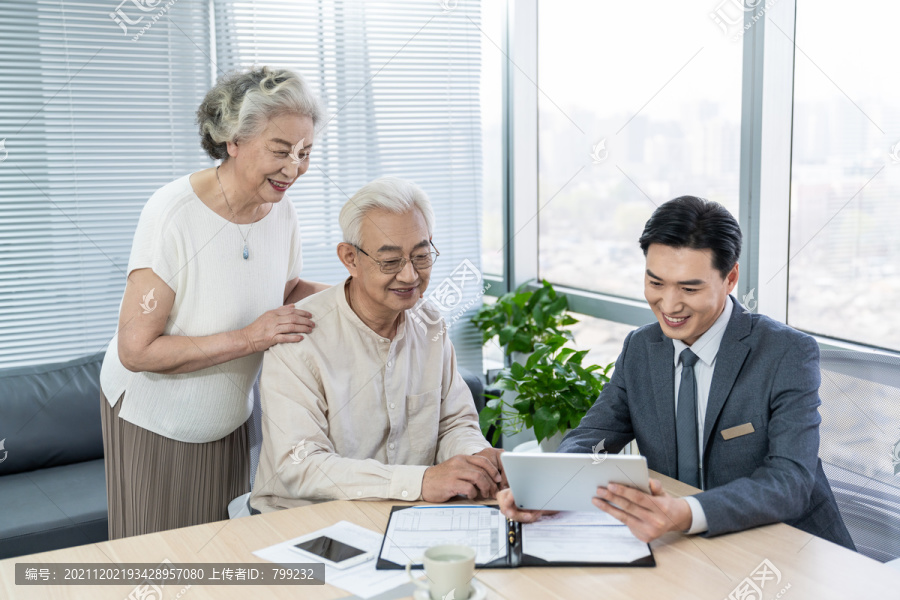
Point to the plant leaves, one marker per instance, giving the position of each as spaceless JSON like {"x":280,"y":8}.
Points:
{"x":558,"y":306}
{"x":507,"y":333}
{"x":546,"y":422}
{"x":540,"y":351}
{"x":578,"y":357}
{"x":517,"y":371}
{"x":488,"y":417}
{"x":521,"y":342}
{"x":523,"y":407}
{"x":564,"y":354}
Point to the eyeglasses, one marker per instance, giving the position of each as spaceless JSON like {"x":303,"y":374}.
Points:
{"x":420,"y":262}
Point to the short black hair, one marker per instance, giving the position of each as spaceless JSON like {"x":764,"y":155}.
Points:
{"x":698,"y":224}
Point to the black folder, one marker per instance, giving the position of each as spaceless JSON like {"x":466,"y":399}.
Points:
{"x":514,"y":555}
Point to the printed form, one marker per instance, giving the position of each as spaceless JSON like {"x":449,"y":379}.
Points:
{"x":581,"y":537}
{"x":413,"y":530}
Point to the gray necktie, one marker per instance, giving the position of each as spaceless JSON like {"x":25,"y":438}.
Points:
{"x":686,"y":422}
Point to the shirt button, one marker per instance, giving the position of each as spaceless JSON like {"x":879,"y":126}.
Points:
{"x":404,"y":493}
{"x":384,"y":341}
{"x":390,"y":364}
{"x":391,"y":445}
{"x":392,"y":405}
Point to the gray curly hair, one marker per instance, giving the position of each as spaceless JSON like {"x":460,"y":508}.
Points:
{"x":241,"y":102}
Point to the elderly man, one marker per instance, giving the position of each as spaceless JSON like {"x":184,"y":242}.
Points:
{"x":369,"y":406}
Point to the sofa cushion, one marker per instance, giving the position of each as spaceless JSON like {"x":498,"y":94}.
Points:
{"x":50,"y":415}
{"x":53,"y":508}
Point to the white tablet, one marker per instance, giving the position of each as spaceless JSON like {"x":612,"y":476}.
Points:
{"x":563,"y":481}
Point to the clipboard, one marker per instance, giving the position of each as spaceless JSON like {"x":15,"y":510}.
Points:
{"x":513,"y":557}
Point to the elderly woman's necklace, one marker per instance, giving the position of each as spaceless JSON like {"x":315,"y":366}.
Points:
{"x":234,"y":218}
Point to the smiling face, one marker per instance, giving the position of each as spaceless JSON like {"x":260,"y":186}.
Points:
{"x":385,"y":236}
{"x":264,"y":165}
{"x":686,"y":293}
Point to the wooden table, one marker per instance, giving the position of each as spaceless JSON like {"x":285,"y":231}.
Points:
{"x":689,"y":567}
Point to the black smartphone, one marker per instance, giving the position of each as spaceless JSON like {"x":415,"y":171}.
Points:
{"x":332,"y":552}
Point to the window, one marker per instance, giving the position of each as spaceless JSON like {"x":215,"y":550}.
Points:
{"x":646,"y":108}
{"x":603,"y":338}
{"x":98,"y":113}
{"x":493,"y":50}
{"x":401,"y":82}
{"x":844,"y":273}
{"x":101,"y":114}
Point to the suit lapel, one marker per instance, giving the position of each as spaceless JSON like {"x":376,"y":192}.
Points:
{"x":729,"y":360}
{"x":662,"y":376}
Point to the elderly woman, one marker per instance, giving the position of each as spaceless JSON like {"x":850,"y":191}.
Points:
{"x":212,"y":278}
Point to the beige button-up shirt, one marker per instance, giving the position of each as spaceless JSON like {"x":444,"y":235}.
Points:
{"x":348,"y":414}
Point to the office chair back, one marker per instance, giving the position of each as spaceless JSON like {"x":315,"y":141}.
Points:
{"x":860,"y":446}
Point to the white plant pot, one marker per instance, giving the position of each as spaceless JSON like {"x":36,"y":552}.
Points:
{"x":551,"y":444}
{"x":520,"y":357}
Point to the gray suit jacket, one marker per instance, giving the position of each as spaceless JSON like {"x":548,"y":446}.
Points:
{"x":766,"y":374}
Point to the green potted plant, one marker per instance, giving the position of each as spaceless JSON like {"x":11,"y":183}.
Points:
{"x":524,"y":318}
{"x":553,"y":391}
{"x":547,"y":388}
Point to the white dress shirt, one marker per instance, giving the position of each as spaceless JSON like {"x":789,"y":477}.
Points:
{"x":706,"y":348}
{"x":348,"y":414}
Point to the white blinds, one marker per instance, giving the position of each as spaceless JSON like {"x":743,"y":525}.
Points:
{"x":93,"y":121}
{"x":97,"y":101}
{"x":401,"y":83}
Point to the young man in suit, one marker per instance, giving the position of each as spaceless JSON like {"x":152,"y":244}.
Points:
{"x":719,"y":398}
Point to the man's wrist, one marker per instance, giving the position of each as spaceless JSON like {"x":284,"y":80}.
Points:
{"x":684,"y":516}
{"x":698,"y":516}
{"x":407,"y":482}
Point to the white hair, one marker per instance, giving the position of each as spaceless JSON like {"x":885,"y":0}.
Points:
{"x":241,"y":103}
{"x":387,"y":193}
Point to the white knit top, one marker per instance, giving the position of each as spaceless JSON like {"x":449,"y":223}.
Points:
{"x":199,"y":255}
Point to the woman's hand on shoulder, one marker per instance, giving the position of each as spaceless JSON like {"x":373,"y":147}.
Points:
{"x":281,"y":325}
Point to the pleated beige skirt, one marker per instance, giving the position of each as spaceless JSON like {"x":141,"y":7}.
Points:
{"x":154,"y":483}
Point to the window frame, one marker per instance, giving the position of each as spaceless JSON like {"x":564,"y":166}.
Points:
{"x":765,"y":170}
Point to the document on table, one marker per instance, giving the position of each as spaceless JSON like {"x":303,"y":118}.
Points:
{"x":413,"y":530}
{"x":566,"y":538}
{"x":581,"y":537}
{"x":362,"y":580}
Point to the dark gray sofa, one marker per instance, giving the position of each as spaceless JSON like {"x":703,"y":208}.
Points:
{"x":52,"y":484}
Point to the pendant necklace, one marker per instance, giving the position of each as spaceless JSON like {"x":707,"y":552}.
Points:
{"x":234,"y":218}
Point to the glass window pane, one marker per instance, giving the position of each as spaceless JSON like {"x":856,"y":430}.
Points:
{"x":492,"y":353}
{"x":493,"y":24}
{"x":844,"y":275}
{"x":603,"y":338}
{"x":658,"y":86}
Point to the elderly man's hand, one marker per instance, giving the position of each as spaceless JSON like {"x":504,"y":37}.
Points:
{"x":493,"y":455}
{"x":470,"y":476}
{"x":648,"y":516}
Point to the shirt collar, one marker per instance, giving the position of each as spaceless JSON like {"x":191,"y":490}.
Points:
{"x":346,"y":310}
{"x":707,"y":345}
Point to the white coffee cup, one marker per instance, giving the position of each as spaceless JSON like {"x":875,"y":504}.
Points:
{"x":448,"y":568}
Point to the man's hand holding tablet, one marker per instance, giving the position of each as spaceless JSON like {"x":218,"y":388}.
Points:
{"x":648,"y":516}
{"x":648,"y":513}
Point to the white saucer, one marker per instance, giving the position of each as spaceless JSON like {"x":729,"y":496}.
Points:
{"x":479,"y":592}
